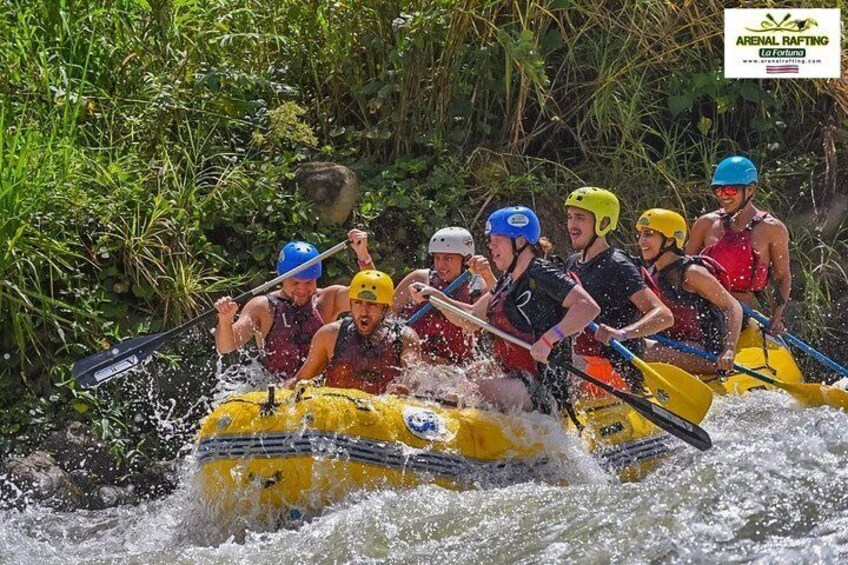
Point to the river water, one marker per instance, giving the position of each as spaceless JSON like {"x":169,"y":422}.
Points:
{"x":772,"y":490}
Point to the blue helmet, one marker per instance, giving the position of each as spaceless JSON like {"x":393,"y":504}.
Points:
{"x":296,"y":253}
{"x":735,"y":170}
{"x":513,"y":222}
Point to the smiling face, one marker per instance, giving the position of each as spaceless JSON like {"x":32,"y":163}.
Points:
{"x":581,"y":227}
{"x":649,"y":242}
{"x":366,"y":315}
{"x":501,"y":248}
{"x":732,"y":198}
{"x":300,"y":292}
{"x":447,"y":265}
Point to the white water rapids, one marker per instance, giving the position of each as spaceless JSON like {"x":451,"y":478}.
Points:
{"x":772,"y":490}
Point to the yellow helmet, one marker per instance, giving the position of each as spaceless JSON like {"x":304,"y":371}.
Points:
{"x":601,"y":202}
{"x":671,"y":224}
{"x":372,"y":286}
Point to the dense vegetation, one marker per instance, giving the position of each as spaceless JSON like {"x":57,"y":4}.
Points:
{"x":148,"y":150}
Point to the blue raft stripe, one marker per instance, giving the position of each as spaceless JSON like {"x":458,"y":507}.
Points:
{"x":359,"y":450}
{"x":637,"y":452}
{"x":294,"y":444}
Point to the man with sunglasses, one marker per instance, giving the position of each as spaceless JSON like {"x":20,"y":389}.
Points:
{"x":750,"y":244}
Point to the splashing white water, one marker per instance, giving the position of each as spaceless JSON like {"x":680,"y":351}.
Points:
{"x":771,"y":490}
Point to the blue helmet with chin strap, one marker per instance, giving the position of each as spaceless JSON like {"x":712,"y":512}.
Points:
{"x":296,"y":253}
{"x":513,"y":222}
{"x":735,"y":170}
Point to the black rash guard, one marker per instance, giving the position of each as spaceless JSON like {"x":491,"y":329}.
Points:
{"x":534,"y":301}
{"x":611,"y":278}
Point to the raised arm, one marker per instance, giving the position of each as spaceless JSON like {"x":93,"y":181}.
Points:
{"x":359,"y":243}
{"x":255,"y":320}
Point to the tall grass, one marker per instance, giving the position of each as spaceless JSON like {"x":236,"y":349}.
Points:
{"x":148,"y":147}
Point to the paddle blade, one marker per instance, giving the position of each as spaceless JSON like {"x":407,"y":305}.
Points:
{"x":679,"y":427}
{"x":834,"y":396}
{"x":106,"y":365}
{"x":654,"y":413}
{"x":816,"y":394}
{"x":677,"y":390}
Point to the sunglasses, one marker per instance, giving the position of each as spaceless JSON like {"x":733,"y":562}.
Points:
{"x":730,"y":190}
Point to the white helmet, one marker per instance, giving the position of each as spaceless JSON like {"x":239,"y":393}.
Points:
{"x":452,"y":240}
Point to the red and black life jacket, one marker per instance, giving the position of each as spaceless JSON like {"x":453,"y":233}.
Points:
{"x":696,"y":319}
{"x":439,"y":337}
{"x":735,"y":252}
{"x":511,"y":357}
{"x":359,"y":363}
{"x":287,"y":342}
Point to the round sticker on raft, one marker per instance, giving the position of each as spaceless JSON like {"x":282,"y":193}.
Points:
{"x":518,"y":220}
{"x":425,"y":424}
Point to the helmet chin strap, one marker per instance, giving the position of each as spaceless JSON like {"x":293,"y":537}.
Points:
{"x":674,"y":249}
{"x":727,"y":219}
{"x":591,"y":243}
{"x":650,"y":262}
{"x":515,"y":253}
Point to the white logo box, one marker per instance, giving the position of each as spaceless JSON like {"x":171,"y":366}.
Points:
{"x":782,"y":43}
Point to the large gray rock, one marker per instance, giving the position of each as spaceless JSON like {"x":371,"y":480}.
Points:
{"x":331,"y":187}
{"x":38,"y":478}
{"x":79,"y":448}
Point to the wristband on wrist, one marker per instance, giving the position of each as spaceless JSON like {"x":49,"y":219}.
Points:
{"x":547,"y":342}
{"x":623,"y":335}
{"x":558,"y":332}
{"x":364,"y":262}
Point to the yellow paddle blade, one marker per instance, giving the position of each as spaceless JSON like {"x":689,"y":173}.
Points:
{"x":834,"y":396}
{"x":676,"y":390}
{"x":816,"y":394}
{"x":787,"y":376}
{"x":779,"y":364}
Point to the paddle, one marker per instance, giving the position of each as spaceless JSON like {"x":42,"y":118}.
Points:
{"x":814,"y":353}
{"x":450,"y":288}
{"x":673,"y":387}
{"x":807,"y":393}
{"x":104,"y":366}
{"x":679,"y":427}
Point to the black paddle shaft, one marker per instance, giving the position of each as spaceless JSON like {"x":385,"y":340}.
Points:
{"x":104,"y":366}
{"x":101,"y":367}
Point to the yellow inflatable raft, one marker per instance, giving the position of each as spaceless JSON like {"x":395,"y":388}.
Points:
{"x":768,"y":356}
{"x":308,"y":448}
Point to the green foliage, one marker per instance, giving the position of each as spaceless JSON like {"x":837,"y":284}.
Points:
{"x":148,"y":147}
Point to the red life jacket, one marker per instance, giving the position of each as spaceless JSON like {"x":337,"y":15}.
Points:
{"x":735,"y":252}
{"x":287,"y":342}
{"x":358,"y":363}
{"x":438,"y":336}
{"x":511,"y":357}
{"x":696,"y":319}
